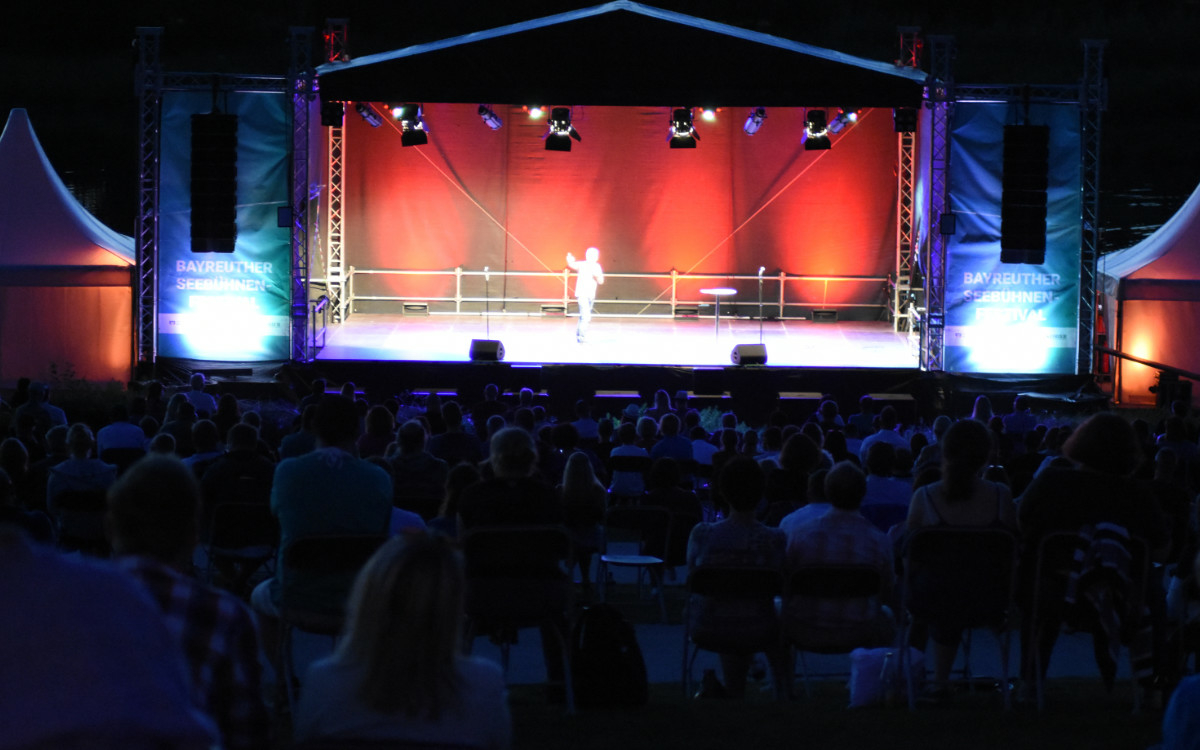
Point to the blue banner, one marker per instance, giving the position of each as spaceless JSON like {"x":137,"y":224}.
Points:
{"x":226,"y":306}
{"x":1011,"y":317}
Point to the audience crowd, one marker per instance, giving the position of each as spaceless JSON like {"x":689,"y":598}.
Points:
{"x":166,"y":643}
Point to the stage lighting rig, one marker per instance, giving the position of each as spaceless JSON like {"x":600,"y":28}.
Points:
{"x":683,"y":131}
{"x":816,"y":132}
{"x":754,"y":120}
{"x":413,"y":130}
{"x":490,"y":118}
{"x":558,"y":137}
{"x":369,"y":115}
{"x":536,"y":112}
{"x":708,"y":114}
{"x":845,"y":118}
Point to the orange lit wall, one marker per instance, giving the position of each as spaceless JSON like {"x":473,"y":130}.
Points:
{"x":1154,"y":330}
{"x":88,"y":328}
{"x":474,"y":197}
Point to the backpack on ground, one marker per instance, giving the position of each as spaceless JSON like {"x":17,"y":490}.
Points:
{"x":606,"y":663}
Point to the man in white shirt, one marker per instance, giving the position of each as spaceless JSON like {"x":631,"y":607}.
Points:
{"x":589,"y":276}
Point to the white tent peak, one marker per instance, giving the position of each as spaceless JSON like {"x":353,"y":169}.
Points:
{"x":44,"y":225}
{"x":1171,"y":248}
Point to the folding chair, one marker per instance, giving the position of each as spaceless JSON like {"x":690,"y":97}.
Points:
{"x":834,"y":583}
{"x":963,"y":577}
{"x":730,"y":587}
{"x":1058,"y":555}
{"x":328,"y":563}
{"x":636,"y":524}
{"x":241,"y":537}
{"x":516,"y":579}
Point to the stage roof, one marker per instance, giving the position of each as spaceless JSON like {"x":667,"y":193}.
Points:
{"x":625,"y":54}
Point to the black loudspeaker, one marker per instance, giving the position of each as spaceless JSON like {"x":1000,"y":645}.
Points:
{"x":214,"y":183}
{"x":1023,"y":200}
{"x":486,"y":350}
{"x":904,"y":119}
{"x":749,"y":354}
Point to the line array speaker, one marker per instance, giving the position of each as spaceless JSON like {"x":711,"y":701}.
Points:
{"x":1023,"y":197}
{"x":214,"y":183}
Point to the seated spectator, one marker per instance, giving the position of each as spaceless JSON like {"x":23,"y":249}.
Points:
{"x":419,"y":478}
{"x":303,"y":440}
{"x":671,"y":444}
{"x":120,"y":433}
{"x":628,"y":483}
{"x":88,"y":661}
{"x":152,"y":514}
{"x":728,"y":439}
{"x":587,"y":427}
{"x":786,"y":486}
{"x":80,"y":472}
{"x":702,"y":446}
{"x":772,"y":444}
{"x":584,"y":499}
{"x":961,"y":499}
{"x":455,"y":445}
{"x":457,"y":479}
{"x":163,"y":443}
{"x":206,"y":440}
{"x":864,"y":420}
{"x":1096,"y":487}
{"x":930,"y":456}
{"x":662,"y":406}
{"x":827,"y":416}
{"x":39,"y":409}
{"x":888,"y":421}
{"x":489,"y":407}
{"x":739,"y":541}
{"x":379,"y":434}
{"x":1021,"y":420}
{"x":181,"y":415}
{"x":886,"y":501}
{"x":203,"y":402}
{"x":982,"y":411}
{"x":327,"y":491}
{"x":399,"y":674}
{"x":842,"y":536}
{"x":227,"y":415}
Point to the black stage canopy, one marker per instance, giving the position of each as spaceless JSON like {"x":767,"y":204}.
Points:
{"x":623,"y":54}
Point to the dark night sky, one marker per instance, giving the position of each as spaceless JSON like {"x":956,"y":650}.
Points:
{"x":71,"y":66}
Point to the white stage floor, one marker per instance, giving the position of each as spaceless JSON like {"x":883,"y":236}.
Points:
{"x":534,"y":339}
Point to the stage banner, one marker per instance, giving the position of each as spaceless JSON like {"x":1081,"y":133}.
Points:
{"x":1011,"y":317}
{"x":226,"y":306}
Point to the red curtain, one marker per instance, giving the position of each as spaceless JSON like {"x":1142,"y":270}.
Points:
{"x":474,"y":197}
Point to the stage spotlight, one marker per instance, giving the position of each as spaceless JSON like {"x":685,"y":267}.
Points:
{"x":708,"y":114}
{"x":754,"y":120}
{"x":904,"y":120}
{"x":535,"y":112}
{"x":368,"y":114}
{"x":683,"y":132}
{"x":558,"y":137}
{"x":844,"y":118}
{"x":490,"y":118}
{"x":413,"y":131}
{"x":816,"y":132}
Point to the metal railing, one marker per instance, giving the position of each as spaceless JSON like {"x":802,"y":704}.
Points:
{"x":667,"y":302}
{"x":319,"y":306}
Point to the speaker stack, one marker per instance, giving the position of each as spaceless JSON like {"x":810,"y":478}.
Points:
{"x":214,"y":183}
{"x":1023,"y":198}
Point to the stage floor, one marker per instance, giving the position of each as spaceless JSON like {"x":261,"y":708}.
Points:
{"x":534,"y":339}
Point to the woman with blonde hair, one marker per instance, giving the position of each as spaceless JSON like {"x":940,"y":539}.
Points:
{"x":584,"y":499}
{"x":398,"y":673}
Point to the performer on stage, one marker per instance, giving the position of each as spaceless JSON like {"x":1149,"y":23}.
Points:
{"x":589,"y":274}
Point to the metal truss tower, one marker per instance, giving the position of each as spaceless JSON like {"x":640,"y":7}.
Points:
{"x":148,"y":83}
{"x":300,"y":82}
{"x":941,"y":96}
{"x":1092,"y":102}
{"x":335,"y":275}
{"x":902,"y":286}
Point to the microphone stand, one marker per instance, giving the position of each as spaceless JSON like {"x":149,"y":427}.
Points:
{"x":487,"y":298}
{"x":760,"y":303}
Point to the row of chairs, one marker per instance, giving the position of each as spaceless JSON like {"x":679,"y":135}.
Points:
{"x":964,"y":577}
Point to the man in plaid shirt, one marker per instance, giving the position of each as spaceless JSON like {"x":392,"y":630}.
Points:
{"x":153,"y":510}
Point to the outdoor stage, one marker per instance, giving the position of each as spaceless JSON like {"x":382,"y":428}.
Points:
{"x":663,"y":342}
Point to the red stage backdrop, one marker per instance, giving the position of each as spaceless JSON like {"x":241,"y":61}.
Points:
{"x":474,"y":197}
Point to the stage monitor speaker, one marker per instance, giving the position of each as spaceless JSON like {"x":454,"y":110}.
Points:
{"x":749,"y":354}
{"x":214,"y":183}
{"x":486,"y":350}
{"x":1023,"y":194}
